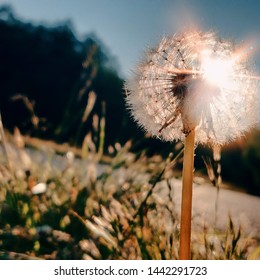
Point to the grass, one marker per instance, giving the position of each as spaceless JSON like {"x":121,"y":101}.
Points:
{"x":100,"y":211}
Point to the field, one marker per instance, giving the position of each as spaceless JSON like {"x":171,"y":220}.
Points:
{"x":73,"y":205}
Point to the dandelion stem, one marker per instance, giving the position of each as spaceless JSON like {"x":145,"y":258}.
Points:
{"x":186,"y":204}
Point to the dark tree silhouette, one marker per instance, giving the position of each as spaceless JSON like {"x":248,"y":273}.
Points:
{"x":46,"y":74}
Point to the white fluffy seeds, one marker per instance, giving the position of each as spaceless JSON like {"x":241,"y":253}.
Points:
{"x":194,"y":81}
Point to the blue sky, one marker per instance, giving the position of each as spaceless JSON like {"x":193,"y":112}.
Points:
{"x":128,"y":27}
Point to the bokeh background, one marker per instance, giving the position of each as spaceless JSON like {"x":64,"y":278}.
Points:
{"x":54,"y":53}
{"x":63,"y":65}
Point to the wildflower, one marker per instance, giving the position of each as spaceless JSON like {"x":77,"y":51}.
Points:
{"x":194,"y":81}
{"x":194,"y":87}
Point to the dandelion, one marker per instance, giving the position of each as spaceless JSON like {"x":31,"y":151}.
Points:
{"x":196,"y":88}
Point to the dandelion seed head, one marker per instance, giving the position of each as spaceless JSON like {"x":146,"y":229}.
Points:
{"x":194,"y":81}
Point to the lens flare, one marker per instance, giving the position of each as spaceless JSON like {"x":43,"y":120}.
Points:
{"x":215,"y":70}
{"x":195,"y":81}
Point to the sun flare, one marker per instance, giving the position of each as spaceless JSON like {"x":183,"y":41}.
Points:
{"x":216,"y":71}
{"x":195,"y":80}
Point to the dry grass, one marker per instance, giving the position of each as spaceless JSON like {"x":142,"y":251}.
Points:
{"x":93,"y":211}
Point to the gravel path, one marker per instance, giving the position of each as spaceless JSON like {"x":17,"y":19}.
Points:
{"x":244,"y":209}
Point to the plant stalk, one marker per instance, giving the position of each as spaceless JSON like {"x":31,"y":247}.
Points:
{"x":3,"y":140}
{"x":186,"y":203}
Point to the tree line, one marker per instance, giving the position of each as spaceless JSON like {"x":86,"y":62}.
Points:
{"x":46,"y":75}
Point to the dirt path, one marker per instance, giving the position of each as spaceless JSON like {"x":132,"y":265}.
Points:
{"x":244,"y":209}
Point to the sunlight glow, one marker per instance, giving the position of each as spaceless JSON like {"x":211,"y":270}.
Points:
{"x":216,"y":71}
